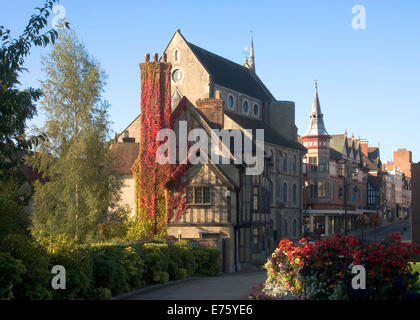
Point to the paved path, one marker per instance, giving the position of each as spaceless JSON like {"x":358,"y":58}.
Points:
{"x":234,"y":286}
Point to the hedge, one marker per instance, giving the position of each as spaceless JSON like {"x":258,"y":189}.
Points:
{"x":97,"y":271}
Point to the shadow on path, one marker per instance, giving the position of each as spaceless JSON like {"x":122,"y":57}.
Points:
{"x":234,"y":286}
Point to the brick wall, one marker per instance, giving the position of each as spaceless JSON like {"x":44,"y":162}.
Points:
{"x":212,"y":110}
{"x":402,"y":160}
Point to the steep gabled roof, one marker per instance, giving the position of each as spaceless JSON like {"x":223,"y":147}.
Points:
{"x":231,"y":75}
{"x":369,"y":164}
{"x":270,"y":135}
{"x":338,"y":142}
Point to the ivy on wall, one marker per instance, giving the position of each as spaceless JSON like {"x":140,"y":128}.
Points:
{"x":160,"y":190}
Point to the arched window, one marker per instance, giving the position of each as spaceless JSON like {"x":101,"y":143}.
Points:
{"x":280,"y":155}
{"x":294,"y":194}
{"x":285,"y":162}
{"x":294,"y":164}
{"x":278,"y":186}
{"x":294,"y":228}
{"x":285,"y":193}
{"x":271,"y":194}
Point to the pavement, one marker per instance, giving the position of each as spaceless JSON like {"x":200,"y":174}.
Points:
{"x":232,"y":286}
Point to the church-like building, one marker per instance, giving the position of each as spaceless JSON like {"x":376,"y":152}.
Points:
{"x":243,"y":215}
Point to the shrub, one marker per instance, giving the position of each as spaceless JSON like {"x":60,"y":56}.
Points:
{"x":115,"y":267}
{"x":36,"y":279}
{"x":156,"y":259}
{"x":11,"y":271}
{"x":207,"y":260}
{"x":181,"y":260}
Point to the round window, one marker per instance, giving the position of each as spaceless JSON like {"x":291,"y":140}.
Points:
{"x":245,"y":107}
{"x":256,"y":110}
{"x":230,"y":102}
{"x":177,"y":75}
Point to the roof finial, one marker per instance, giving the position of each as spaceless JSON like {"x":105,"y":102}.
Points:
{"x":316,"y":84}
{"x":251,"y":54}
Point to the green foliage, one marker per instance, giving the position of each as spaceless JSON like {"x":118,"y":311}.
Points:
{"x":207,"y":260}
{"x":11,"y":271}
{"x":94,"y":271}
{"x":135,"y":230}
{"x":81,"y":194}
{"x":117,"y":268}
{"x":18,"y":106}
{"x":35,"y":282}
{"x":181,"y":260}
{"x":156,"y":258}
{"x":11,"y":210}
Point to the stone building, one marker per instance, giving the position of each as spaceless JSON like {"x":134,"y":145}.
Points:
{"x":335,"y":178}
{"x":400,"y":170}
{"x":243,"y":215}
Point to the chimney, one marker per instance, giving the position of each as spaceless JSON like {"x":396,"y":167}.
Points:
{"x":364,"y":144}
{"x":212,"y":109}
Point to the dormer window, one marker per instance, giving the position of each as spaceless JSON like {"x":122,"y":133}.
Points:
{"x":245,"y":107}
{"x":231,"y":102}
{"x":256,"y":110}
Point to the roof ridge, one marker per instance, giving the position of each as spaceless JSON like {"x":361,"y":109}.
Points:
{"x":215,"y":54}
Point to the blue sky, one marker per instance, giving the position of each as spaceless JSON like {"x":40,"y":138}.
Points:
{"x":369,"y":80}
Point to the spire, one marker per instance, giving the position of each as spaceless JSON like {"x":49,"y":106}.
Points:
{"x":251,"y":54}
{"x":246,"y":65}
{"x":316,"y":123}
{"x":345,"y":133}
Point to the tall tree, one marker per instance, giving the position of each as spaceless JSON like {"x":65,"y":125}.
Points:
{"x":81,"y":192}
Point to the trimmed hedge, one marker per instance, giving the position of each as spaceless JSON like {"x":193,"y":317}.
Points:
{"x":98,"y":271}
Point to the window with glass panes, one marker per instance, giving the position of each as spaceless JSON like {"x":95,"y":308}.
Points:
{"x":313,"y":164}
{"x":199,"y":195}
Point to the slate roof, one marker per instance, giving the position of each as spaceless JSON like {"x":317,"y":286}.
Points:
{"x":373,"y":153}
{"x":337,"y":142}
{"x":231,"y":75}
{"x":270,"y":135}
{"x":335,"y":154}
{"x":369,"y":164}
{"x":316,"y":125}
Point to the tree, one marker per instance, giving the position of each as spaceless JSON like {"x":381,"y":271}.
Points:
{"x":81,"y":192}
{"x":18,"y":106}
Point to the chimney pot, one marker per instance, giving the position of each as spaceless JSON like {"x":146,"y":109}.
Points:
{"x":155,"y":57}
{"x":146,"y":57}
